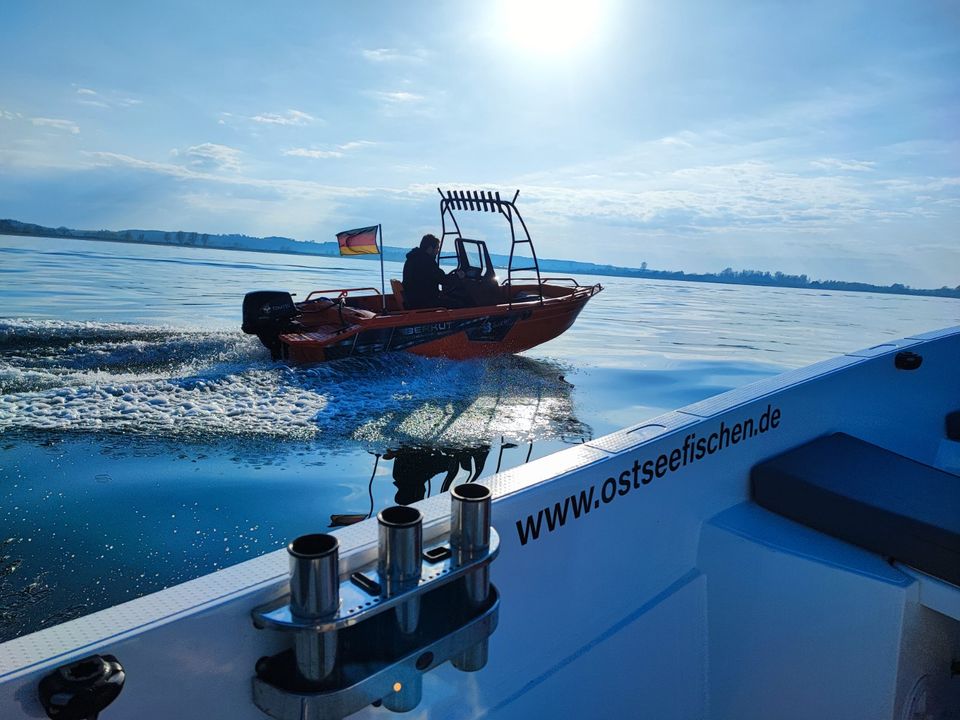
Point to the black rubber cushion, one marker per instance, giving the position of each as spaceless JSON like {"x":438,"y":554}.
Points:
{"x":868,"y":496}
{"x":953,"y":425}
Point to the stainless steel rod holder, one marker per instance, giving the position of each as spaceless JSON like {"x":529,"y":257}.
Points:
{"x":314,"y":594}
{"x":469,"y":539}
{"x":389,"y":668}
{"x":470,"y":535}
{"x":400,"y":559}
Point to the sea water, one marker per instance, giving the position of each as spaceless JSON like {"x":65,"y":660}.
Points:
{"x":144,"y":440}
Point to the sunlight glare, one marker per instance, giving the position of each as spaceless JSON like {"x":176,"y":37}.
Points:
{"x":550,"y":27}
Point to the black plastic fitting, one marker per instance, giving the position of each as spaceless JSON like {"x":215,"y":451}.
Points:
{"x":80,"y":690}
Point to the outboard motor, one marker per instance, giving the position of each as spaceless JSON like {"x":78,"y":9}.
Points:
{"x":266,"y":314}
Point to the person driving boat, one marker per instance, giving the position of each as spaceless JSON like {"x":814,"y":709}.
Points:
{"x":422,"y":276}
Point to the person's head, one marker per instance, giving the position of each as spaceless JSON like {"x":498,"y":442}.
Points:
{"x":430,"y":243}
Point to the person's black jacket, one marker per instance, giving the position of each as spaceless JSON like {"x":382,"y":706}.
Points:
{"x":421,"y":280}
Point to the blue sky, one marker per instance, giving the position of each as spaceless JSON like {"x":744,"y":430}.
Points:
{"x":814,"y":137}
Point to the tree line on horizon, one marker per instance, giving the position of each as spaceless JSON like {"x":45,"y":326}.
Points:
{"x":287,"y":245}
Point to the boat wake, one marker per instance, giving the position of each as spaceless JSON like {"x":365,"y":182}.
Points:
{"x":151,"y":381}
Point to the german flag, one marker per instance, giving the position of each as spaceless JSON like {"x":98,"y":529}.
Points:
{"x":362,"y":241}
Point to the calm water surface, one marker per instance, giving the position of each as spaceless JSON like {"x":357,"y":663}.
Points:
{"x":145,"y":441}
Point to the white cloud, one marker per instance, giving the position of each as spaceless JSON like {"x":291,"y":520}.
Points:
{"x":848,"y":165}
{"x":385,"y":55}
{"x":398,"y":97}
{"x":89,"y":96}
{"x":7,"y":115}
{"x":283,"y":188}
{"x":355,"y":144}
{"x":700,"y":217}
{"x":926,"y":184}
{"x":748,"y":196}
{"x":684,"y":140}
{"x":314,"y":154}
{"x":381,"y":55}
{"x":291,"y":117}
{"x":65,"y":125}
{"x":212,"y":157}
{"x":337,"y":152}
{"x":924,"y":148}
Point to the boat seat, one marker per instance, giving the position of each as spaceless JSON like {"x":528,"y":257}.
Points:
{"x":870,"y":497}
{"x":396,"y":287}
{"x":355,"y":313}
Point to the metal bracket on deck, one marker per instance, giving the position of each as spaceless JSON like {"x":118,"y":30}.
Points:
{"x":370,"y":637}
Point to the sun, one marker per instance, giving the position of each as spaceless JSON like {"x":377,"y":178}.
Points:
{"x":549,"y":27}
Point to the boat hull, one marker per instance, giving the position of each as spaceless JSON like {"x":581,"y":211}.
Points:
{"x":458,"y":334}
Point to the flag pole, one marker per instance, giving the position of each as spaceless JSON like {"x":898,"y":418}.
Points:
{"x":383,"y":287}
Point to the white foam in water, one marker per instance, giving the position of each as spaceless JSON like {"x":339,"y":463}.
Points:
{"x":96,"y":377}
{"x":90,"y":377}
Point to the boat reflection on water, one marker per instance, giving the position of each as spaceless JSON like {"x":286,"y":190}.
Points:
{"x":414,"y":469}
{"x":479,"y":419}
{"x":418,"y":472}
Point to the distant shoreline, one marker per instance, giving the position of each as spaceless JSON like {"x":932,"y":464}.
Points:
{"x":160,"y":243}
{"x":289,"y":246}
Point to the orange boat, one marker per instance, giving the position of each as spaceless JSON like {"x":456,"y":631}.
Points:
{"x":485,"y":316}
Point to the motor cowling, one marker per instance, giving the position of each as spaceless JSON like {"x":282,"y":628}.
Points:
{"x":266,"y":312}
